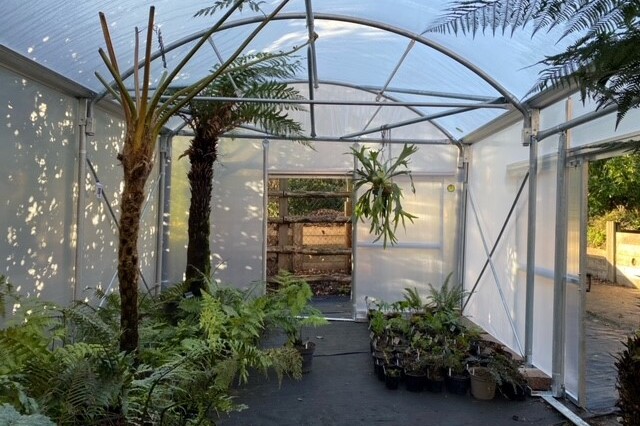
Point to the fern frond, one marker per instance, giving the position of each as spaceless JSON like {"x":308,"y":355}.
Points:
{"x":19,"y":345}
{"x":90,"y":326}
{"x":578,"y":15}
{"x":223,"y":4}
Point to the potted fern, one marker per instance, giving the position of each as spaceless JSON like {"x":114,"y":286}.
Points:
{"x":289,"y":309}
{"x":381,"y":202}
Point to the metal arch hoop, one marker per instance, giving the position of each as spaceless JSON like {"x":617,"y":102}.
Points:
{"x":359,"y":21}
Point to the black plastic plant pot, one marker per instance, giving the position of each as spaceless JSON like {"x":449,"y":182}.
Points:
{"x":380,"y":370}
{"x":457,"y":384}
{"x":307,"y":356}
{"x":392,"y":377}
{"x":513,"y":392}
{"x":434,"y":385}
{"x":415,"y":382}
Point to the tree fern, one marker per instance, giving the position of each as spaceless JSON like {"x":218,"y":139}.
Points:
{"x":603,"y":62}
{"x":248,"y":76}
{"x":471,"y":16}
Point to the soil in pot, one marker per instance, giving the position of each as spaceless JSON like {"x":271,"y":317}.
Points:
{"x":392,"y":376}
{"x":306,"y":350}
{"x":483,"y":386}
{"x":457,"y":383}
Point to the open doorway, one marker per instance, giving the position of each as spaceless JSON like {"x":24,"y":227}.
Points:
{"x":613,"y":248}
{"x":310,"y":235}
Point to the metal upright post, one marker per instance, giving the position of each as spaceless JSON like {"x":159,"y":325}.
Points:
{"x":463,"y":177}
{"x":160,"y":222}
{"x":84,"y":114}
{"x":265,"y":209}
{"x":560,"y":272}
{"x":531,"y":122}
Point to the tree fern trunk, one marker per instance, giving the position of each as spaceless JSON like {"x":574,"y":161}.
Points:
{"x":202,"y":155}
{"x":137,"y":162}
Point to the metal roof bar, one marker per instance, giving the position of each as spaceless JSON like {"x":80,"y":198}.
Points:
{"x":312,"y":110}
{"x":410,"y":121}
{"x":311,"y":66}
{"x":16,"y":62}
{"x":543,"y":134}
{"x":357,"y":103}
{"x":434,"y":94}
{"x":387,"y":96}
{"x":221,"y":60}
{"x":393,"y":73}
{"x":329,"y":139}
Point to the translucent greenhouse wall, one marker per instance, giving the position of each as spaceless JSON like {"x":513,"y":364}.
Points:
{"x":100,"y":248}
{"x":498,"y":166}
{"x":236,"y":238}
{"x":40,"y":134}
{"x":38,"y":163}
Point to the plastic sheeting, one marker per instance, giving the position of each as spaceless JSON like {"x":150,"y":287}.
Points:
{"x":39,"y":192}
{"x":358,"y":43}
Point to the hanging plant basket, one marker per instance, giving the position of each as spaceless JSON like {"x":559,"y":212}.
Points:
{"x":381,"y":202}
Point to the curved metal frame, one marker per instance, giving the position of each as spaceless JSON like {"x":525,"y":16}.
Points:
{"x":358,"y":21}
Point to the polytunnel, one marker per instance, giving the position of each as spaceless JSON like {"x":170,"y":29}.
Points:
{"x":500,"y":173}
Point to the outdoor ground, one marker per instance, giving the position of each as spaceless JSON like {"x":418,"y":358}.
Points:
{"x":614,"y":310}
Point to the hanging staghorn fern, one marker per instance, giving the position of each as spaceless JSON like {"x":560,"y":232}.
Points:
{"x":381,"y":201}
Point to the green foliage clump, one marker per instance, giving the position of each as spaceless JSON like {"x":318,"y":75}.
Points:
{"x":629,"y":219}
{"x":289,"y":309}
{"x":64,"y":363}
{"x":613,"y":183}
{"x":9,"y":416}
{"x":302,"y":206}
{"x":428,"y":335}
{"x":628,"y":383}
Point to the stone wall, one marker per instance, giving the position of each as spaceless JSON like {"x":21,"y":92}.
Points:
{"x":620,"y":261}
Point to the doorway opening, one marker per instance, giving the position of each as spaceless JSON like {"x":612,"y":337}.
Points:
{"x":310,"y":236}
{"x":613,"y":246}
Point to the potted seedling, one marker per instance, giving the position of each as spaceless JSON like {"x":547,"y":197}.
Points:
{"x":415,"y":370}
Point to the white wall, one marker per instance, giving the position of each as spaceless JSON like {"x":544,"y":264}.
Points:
{"x":38,"y":178}
{"x":498,"y":165}
{"x":40,"y":133}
